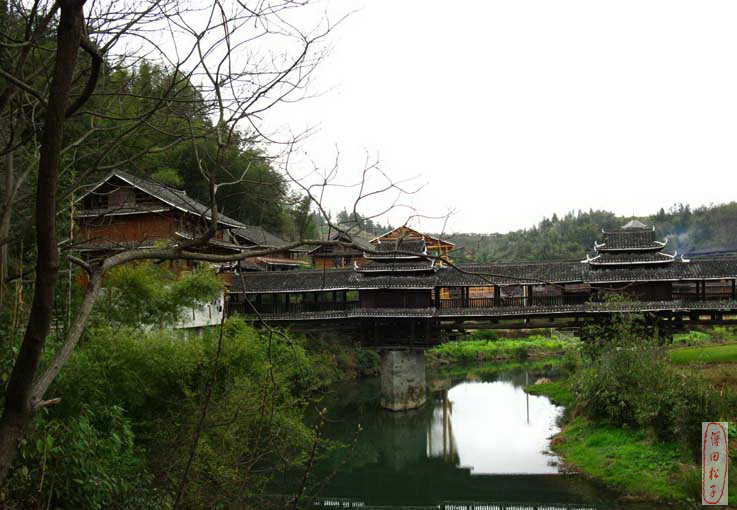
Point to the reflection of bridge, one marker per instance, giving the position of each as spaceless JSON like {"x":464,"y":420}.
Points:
{"x":399,"y":298}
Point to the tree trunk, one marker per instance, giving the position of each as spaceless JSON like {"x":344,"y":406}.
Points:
{"x":5,"y":224}
{"x":18,"y":406}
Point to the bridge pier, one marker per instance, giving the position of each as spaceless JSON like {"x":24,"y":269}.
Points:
{"x":402,"y":379}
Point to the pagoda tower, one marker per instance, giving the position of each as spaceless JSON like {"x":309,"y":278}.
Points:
{"x":632,"y":245}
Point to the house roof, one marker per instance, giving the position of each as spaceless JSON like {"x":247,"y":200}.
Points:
{"x":634,"y":224}
{"x":632,"y":239}
{"x":258,"y":236}
{"x":492,"y":274}
{"x":412,"y":233}
{"x":361,"y":244}
{"x":175,"y":198}
{"x":630,"y":258}
{"x":396,"y":266}
{"x":396,"y":249}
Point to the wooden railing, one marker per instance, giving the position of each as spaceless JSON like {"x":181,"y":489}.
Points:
{"x":290,"y":308}
{"x":461,"y":303}
{"x":571,"y":299}
{"x":711,"y":296}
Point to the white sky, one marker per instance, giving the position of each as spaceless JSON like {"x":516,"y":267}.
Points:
{"x":513,"y":110}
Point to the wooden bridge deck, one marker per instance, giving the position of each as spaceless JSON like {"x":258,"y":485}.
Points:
{"x":724,"y":308}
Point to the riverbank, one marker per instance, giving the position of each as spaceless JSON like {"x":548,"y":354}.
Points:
{"x":632,"y":459}
{"x":625,"y":459}
{"x":487,"y":346}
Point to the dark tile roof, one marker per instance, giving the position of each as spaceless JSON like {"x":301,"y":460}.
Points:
{"x":394,"y":245}
{"x":122,"y":211}
{"x":410,"y":233}
{"x":259,"y":236}
{"x":630,"y":258}
{"x":629,"y":239}
{"x":397,"y":249}
{"x":361,"y":244}
{"x":491,"y":274}
{"x":396,"y":266}
{"x":174,"y":197}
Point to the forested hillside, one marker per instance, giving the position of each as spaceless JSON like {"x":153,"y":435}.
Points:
{"x":570,"y":237}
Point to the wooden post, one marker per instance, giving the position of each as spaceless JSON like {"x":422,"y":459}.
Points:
{"x":734,"y":288}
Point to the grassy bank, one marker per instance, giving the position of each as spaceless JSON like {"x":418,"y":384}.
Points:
{"x":626,"y":459}
{"x":490,"y":349}
{"x":629,"y":460}
{"x":705,"y":354}
{"x":558,"y":392}
{"x":633,"y":416}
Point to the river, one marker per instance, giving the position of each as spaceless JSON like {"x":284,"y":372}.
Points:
{"x":479,"y":438}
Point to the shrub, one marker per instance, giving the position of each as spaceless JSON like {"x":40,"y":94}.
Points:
{"x":628,"y":382}
{"x":520,"y":354}
{"x":692,"y":338}
{"x":130,"y":406}
{"x":86,"y":462}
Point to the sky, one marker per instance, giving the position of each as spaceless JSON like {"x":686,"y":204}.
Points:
{"x":507,"y":111}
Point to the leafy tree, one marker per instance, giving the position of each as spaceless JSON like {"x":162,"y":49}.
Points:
{"x":148,"y":294}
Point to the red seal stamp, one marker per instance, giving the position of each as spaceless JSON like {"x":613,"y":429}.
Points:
{"x":714,"y":463}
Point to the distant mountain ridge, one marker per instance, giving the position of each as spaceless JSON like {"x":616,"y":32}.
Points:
{"x":708,"y":230}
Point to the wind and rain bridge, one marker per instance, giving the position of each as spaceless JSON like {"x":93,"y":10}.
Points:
{"x":405,"y":298}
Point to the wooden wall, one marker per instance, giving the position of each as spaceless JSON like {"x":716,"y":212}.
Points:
{"x":396,"y":298}
{"x":132,"y":228}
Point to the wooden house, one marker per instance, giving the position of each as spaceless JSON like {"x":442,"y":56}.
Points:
{"x":335,"y":256}
{"x":435,"y":246}
{"x":123,"y":211}
{"x":252,"y":237}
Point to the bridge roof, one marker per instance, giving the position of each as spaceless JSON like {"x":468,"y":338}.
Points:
{"x":487,"y":274}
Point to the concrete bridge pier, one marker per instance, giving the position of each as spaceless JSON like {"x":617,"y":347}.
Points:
{"x":402,"y":379}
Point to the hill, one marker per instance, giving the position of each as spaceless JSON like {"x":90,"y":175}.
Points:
{"x":688,"y":231}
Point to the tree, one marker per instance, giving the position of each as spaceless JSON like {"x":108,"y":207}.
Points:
{"x":103,"y":107}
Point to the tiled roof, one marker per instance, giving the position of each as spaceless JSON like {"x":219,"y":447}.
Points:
{"x":397,"y":249}
{"x":173,"y":197}
{"x":492,"y":274}
{"x":411,"y":233}
{"x":630,"y":258}
{"x":630,"y":239}
{"x":362,"y":245}
{"x":260,"y":237}
{"x":394,"y":245}
{"x":396,"y":266}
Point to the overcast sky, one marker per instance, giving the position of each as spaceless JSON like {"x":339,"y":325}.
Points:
{"x":517,"y":109}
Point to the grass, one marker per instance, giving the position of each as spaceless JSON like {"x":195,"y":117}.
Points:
{"x":465,"y":371}
{"x":558,"y":392}
{"x":707,"y":354}
{"x":627,"y":460}
{"x":494,"y":349}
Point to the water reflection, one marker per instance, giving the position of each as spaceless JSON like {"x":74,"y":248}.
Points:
{"x":479,"y":438}
{"x":494,"y":428}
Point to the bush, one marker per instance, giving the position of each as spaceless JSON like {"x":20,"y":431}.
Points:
{"x":131,"y":403}
{"x":520,"y":354}
{"x":692,"y":338}
{"x":628,"y":382}
{"x":86,"y":462}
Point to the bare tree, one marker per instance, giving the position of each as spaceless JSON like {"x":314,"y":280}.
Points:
{"x":244,"y":60}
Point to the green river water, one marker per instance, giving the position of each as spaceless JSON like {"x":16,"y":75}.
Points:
{"x":479,"y":438}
